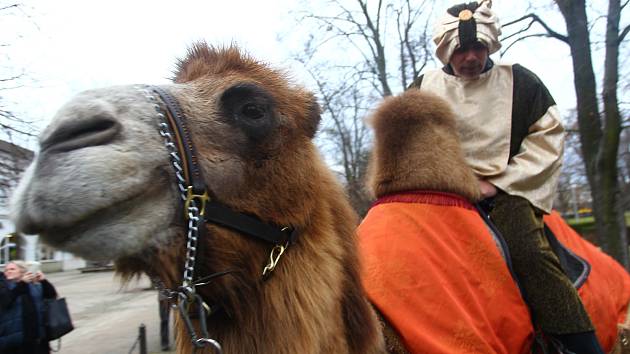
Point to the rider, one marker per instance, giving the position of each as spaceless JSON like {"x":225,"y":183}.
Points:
{"x":512,"y":138}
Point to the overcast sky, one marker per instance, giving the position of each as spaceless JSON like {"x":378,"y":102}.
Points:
{"x":66,"y":46}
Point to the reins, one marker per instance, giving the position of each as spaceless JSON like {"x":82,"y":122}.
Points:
{"x":200,"y":208}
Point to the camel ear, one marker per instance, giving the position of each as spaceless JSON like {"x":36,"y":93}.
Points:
{"x":313,"y":117}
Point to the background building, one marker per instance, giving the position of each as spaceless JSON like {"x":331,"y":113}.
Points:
{"x":13,"y":161}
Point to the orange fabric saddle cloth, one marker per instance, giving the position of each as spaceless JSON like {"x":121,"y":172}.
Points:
{"x":433,"y":269}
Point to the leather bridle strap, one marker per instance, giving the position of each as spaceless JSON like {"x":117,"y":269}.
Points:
{"x":177,"y":123}
{"x":213,"y":211}
{"x":199,"y":209}
{"x":220,"y":214}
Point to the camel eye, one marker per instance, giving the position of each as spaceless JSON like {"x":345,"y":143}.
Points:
{"x":249,"y":108}
{"x":253,"y":111}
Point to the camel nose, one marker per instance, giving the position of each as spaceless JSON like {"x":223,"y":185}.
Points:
{"x":73,"y":134}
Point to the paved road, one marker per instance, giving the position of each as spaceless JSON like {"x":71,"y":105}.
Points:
{"x":106,"y":315}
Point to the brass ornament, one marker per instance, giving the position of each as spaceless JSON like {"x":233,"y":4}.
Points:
{"x":465,"y":15}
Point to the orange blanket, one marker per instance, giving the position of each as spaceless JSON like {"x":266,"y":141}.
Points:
{"x":433,"y":269}
{"x":606,"y":292}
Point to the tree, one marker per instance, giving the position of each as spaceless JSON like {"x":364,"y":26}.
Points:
{"x":385,"y":46}
{"x":10,"y":78}
{"x":13,"y":158}
{"x":624,"y":149}
{"x":624,"y":160}
{"x":345,"y":107}
{"x":573,"y":191}
{"x":599,"y":127}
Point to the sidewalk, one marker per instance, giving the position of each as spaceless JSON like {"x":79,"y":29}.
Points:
{"x":107,"y":316}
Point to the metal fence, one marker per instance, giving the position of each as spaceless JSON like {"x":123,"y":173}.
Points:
{"x":141,"y":340}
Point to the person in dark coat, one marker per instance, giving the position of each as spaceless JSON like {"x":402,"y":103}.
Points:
{"x":22,"y":295}
{"x":165,"y":310}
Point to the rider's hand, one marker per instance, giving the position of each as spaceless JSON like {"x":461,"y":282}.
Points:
{"x":487,"y":189}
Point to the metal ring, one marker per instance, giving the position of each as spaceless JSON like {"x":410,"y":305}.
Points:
{"x":203,"y":342}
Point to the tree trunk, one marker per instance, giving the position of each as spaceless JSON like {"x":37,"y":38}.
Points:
{"x":615,"y":221}
{"x":599,"y":145}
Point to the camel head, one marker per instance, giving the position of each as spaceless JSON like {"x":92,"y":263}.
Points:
{"x":102,"y":185}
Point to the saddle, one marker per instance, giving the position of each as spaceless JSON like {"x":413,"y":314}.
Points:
{"x":575,"y":267}
{"x":424,"y":250}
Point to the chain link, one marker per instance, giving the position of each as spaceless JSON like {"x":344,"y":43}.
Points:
{"x":164,"y":291}
{"x":193,"y":211}
{"x":191,"y":245}
{"x":187,"y":290}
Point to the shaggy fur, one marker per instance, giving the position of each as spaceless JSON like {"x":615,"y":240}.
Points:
{"x":416,"y":147}
{"x":313,"y":302}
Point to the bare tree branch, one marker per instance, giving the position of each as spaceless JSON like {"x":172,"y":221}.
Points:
{"x":521,"y":31}
{"x":522,"y":38}
{"x":371,"y":39}
{"x":535,"y":19}
{"x":593,"y":23}
{"x":378,"y":52}
{"x":11,"y":128}
{"x":12,"y":78}
{"x":347,"y":91}
{"x":9,"y":6}
{"x":10,"y":124}
{"x":401,"y":47}
{"x":623,"y":33}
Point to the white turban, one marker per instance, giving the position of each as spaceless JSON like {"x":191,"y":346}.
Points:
{"x":446,"y":32}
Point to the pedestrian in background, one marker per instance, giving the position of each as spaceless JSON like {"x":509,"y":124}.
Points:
{"x":165,"y":309}
{"x":22,"y":295}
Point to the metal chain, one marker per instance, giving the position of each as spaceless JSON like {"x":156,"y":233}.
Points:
{"x":191,"y":245}
{"x":186,"y":294}
{"x":164,"y":291}
{"x":193,"y":211}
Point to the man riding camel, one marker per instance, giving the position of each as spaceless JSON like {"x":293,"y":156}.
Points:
{"x":512,"y":138}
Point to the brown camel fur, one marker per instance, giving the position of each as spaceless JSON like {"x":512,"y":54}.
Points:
{"x":314,"y":301}
{"x":416,"y":147}
{"x":267,"y":167}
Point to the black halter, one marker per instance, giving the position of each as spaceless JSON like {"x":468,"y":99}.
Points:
{"x":214,"y":211}
{"x":200,"y":208}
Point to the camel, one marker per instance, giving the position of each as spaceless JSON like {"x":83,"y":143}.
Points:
{"x":426,"y":249}
{"x":102,"y":186}
{"x":107,"y":184}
